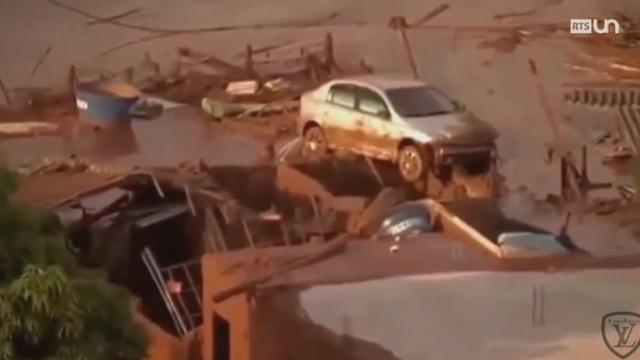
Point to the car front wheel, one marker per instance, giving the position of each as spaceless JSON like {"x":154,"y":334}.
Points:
{"x":314,"y":143}
{"x":412,"y":162}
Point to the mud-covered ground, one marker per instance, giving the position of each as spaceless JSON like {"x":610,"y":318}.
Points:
{"x":492,"y":81}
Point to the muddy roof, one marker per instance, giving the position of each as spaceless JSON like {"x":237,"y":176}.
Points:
{"x":44,"y":190}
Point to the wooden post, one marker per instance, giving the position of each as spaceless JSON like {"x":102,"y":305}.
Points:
{"x":128,"y":74}
{"x":399,"y":23}
{"x":5,"y":92}
{"x":544,"y":102}
{"x":72,"y":80}
{"x":248,"y":63}
{"x":329,"y":60}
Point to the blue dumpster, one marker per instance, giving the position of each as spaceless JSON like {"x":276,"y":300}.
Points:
{"x":106,"y":103}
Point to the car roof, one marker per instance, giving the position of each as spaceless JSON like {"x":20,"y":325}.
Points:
{"x":382,"y":82}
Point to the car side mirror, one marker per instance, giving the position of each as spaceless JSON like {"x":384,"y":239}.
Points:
{"x":383,"y":113}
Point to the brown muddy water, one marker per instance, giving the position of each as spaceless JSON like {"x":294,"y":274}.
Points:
{"x":179,"y":134}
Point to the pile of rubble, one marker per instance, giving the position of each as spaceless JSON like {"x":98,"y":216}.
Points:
{"x":131,"y":220}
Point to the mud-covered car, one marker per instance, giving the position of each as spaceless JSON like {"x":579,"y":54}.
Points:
{"x":401,"y":120}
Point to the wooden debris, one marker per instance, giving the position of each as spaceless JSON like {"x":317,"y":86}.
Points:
{"x":399,"y":24}
{"x":605,"y":207}
{"x":627,"y":192}
{"x":156,"y":185}
{"x":40,"y":61}
{"x":431,"y":14}
{"x":278,"y":84}
{"x":544,"y":101}
{"x":574,"y":178}
{"x":617,"y":153}
{"x":31,"y":128}
{"x":214,"y":62}
{"x":514,"y":14}
{"x":187,"y":193}
{"x":216,"y":237}
{"x":248,"y":87}
{"x":135,"y":42}
{"x":264,"y":49}
{"x":114,"y":17}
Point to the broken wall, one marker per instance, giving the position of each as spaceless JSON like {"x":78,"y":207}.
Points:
{"x":234,"y":310}
{"x":283,"y":330}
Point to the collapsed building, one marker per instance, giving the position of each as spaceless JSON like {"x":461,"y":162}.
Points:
{"x":282,"y":262}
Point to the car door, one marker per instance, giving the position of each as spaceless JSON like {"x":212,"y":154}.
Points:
{"x":339,"y":116}
{"x":375,"y":125}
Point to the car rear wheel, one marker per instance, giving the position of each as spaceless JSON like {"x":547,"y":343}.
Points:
{"x":315,"y":143}
{"x":412,"y":162}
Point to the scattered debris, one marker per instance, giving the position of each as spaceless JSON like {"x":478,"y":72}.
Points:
{"x":605,"y":207}
{"x":431,"y":15}
{"x":248,"y":87}
{"x":625,"y":101}
{"x":627,"y":192}
{"x":503,"y":16}
{"x":215,"y":63}
{"x":601,"y":137}
{"x":28,"y":128}
{"x":617,"y":153}
{"x":574,"y":179}
{"x":114,"y":17}
{"x":278,"y":84}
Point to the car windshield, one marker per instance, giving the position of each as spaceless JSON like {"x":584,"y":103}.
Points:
{"x":419,"y":101}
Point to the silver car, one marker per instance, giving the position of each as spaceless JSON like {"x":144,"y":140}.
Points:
{"x":401,"y":120}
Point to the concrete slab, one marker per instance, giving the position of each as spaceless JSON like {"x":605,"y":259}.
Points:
{"x":478,"y":315}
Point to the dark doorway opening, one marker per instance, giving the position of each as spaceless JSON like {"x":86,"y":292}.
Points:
{"x":221,"y":338}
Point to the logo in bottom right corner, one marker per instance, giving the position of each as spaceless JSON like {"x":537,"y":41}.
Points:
{"x":621,"y":333}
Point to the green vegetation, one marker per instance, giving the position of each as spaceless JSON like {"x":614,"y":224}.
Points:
{"x":51,"y":308}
